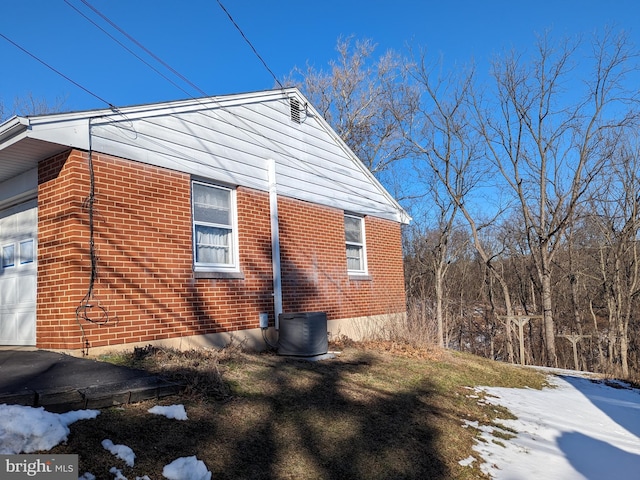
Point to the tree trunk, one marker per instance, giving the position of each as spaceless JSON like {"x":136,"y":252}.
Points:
{"x":624,"y":353}
{"x":547,"y":312}
{"x":597,"y":334}
{"x":439,"y":316}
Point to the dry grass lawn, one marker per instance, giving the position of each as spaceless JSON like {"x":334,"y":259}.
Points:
{"x":376,"y":411}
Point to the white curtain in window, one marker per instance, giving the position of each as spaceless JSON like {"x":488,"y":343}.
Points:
{"x":354,"y":240}
{"x":213,"y":245}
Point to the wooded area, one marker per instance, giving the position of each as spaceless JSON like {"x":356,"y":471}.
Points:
{"x":524,"y":188}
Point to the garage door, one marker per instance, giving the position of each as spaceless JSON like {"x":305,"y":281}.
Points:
{"x":18,"y":274}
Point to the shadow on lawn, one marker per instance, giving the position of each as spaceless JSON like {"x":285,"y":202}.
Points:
{"x":292,"y":419}
{"x":318,"y":424}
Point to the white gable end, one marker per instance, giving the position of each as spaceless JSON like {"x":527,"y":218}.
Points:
{"x":230,"y":140}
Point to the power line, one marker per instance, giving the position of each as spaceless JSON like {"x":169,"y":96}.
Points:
{"x":149,"y":52}
{"x":128,"y":49}
{"x":249,"y":43}
{"x":58,"y":72}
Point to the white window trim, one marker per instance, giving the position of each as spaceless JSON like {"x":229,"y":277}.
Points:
{"x":233,"y":267}
{"x":365,"y":269}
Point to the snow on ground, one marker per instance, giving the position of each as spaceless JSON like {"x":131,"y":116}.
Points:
{"x":579,"y":429}
{"x":186,"y":467}
{"x":123,"y":452}
{"x":172,"y":411}
{"x":27,"y":430}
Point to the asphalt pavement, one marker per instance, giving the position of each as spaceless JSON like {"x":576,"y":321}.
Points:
{"x":60,"y":383}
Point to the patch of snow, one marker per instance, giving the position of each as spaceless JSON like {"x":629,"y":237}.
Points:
{"x":173,"y":411}
{"x":118,"y":474}
{"x":28,"y":429}
{"x":121,"y":451}
{"x":186,"y":468}
{"x":564,"y":432}
{"x":87,"y":476}
{"x":467,"y":461}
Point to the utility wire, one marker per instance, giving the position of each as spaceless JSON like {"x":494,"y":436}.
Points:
{"x":249,"y":43}
{"x":178,"y":74}
{"x":128,"y":49}
{"x":149,"y":52}
{"x":57,"y":71}
{"x":162,"y":62}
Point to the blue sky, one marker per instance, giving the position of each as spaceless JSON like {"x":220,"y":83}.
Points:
{"x":197,"y":39}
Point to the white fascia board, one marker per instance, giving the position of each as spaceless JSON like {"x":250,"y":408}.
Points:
{"x":71,"y":129}
{"x":12,"y":131}
{"x":72,"y":133}
{"x":165,"y":108}
{"x":56,"y":129}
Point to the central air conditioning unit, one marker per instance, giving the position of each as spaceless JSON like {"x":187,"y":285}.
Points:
{"x":303,"y":334}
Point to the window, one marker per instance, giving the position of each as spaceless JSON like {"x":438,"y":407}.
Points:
{"x":354,"y":237}
{"x":8,"y":256}
{"x":26,"y":251}
{"x":214,"y":233}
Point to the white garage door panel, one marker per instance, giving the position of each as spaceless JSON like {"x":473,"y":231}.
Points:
{"x":18,"y":274}
{"x":26,"y":326}
{"x":8,"y":291}
{"x":17,"y":327}
{"x":8,"y":328}
{"x":26,"y":289}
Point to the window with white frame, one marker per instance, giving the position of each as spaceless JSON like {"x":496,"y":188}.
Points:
{"x":214,"y":232}
{"x":355,"y":241}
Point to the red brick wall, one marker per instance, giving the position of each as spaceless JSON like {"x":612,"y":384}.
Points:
{"x":145,"y":282}
{"x":61,"y":273}
{"x":314,"y":272}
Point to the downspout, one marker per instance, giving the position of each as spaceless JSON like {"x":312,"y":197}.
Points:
{"x":275,"y":242}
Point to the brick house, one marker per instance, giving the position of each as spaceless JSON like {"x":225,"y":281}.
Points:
{"x":188,"y":222}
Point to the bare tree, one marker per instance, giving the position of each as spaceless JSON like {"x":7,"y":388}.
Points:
{"x":354,"y":97}
{"x":618,"y":214}
{"x":433,"y":252}
{"x":439,"y":128}
{"x":549,"y":144}
{"x":30,"y":105}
